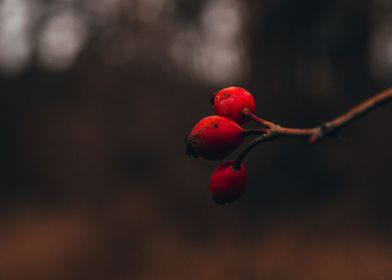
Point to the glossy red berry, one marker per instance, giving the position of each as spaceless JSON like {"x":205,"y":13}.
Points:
{"x":214,"y":137}
{"x":230,"y":102}
{"x":228,"y":184}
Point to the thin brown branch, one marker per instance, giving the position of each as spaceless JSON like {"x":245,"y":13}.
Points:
{"x":254,"y":131}
{"x":317,"y":133}
{"x":353,"y":114}
{"x":263,"y":138}
{"x":257,"y":119}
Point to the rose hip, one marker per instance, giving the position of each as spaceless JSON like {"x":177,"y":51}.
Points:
{"x":214,"y":137}
{"x":228,"y":184}
{"x":231,"y":102}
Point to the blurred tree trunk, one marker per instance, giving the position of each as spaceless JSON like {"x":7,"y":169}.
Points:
{"x":307,"y":48}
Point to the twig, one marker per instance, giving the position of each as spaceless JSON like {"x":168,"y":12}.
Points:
{"x":263,"y":138}
{"x":318,"y":133}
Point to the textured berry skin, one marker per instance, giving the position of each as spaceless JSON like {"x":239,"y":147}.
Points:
{"x":228,"y":184}
{"x":214,"y":137}
{"x":230,"y":102}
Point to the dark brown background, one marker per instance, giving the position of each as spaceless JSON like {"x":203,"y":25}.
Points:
{"x":94,"y":180}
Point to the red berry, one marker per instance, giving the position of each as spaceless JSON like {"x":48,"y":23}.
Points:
{"x":214,"y":137}
{"x":228,"y":184}
{"x":230,"y":102}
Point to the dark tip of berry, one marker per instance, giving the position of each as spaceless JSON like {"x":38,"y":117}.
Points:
{"x":188,"y":148}
{"x":212,"y":97}
{"x":236,"y":167}
{"x":218,"y":201}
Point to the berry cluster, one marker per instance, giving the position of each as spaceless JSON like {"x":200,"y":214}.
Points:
{"x":217,"y":136}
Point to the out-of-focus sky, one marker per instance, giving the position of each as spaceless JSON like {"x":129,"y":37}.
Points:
{"x":207,"y":39}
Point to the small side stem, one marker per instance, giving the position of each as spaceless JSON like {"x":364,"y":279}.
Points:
{"x":257,"y":119}
{"x":295,"y":132}
{"x":254,"y":131}
{"x":254,"y":143}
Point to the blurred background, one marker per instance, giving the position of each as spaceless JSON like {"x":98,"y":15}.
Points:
{"x":96,"y":97}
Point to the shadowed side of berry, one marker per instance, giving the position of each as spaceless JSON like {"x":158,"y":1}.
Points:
{"x":188,"y":148}
{"x":212,"y":97}
{"x":218,"y":201}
